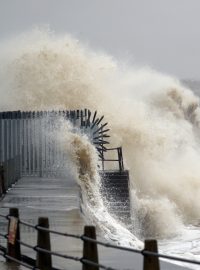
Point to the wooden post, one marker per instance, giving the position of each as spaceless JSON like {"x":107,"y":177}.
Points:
{"x":90,"y":251}
{"x":43,"y":260}
{"x":13,"y":246}
{"x":151,"y":262}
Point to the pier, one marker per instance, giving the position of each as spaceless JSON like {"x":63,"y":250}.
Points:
{"x":33,"y":181}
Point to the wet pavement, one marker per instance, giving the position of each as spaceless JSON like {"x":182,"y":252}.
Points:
{"x":59,"y":200}
{"x":56,"y":199}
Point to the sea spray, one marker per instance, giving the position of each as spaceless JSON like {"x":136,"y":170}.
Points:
{"x":86,"y":159}
{"x":81,"y":164}
{"x":151,"y":115}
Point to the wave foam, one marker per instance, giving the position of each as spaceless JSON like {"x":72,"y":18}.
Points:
{"x":151,"y":115}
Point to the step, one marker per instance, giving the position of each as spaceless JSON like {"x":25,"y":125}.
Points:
{"x":119,"y":204}
{"x":115,"y":177}
{"x":115,"y":191}
{"x":114,"y":198}
{"x":118,"y":209}
{"x":115,"y":183}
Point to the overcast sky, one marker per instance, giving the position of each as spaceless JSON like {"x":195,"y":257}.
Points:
{"x":162,"y":34}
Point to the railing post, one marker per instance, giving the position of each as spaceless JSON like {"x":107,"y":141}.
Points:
{"x":151,"y":262}
{"x":13,"y":246}
{"x":103,"y":167}
{"x":43,"y":260}
{"x":120,"y":159}
{"x":90,"y":251}
{"x":2,"y":181}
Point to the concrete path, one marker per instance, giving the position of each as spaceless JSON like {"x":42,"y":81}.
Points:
{"x":58,"y":199}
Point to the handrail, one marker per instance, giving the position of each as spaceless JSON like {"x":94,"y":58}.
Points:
{"x":86,"y":239}
{"x":119,"y":159}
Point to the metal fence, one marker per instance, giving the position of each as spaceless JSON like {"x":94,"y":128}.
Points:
{"x":29,"y":146}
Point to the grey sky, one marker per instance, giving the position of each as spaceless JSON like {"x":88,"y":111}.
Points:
{"x":162,"y":34}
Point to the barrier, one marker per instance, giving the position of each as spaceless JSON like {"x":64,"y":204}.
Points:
{"x":89,"y":260}
{"x":28,"y":148}
{"x":119,"y":158}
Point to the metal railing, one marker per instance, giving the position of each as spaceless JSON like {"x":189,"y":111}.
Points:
{"x":119,"y":158}
{"x":28,"y":149}
{"x":89,"y":260}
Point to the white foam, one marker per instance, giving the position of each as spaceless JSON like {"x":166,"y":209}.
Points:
{"x":151,"y":115}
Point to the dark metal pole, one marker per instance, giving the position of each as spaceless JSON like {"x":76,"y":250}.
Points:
{"x":2,"y":180}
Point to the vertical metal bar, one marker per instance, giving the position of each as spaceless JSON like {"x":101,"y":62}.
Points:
{"x":9,"y":152}
{"x":3,"y":140}
{"x":30,"y":143}
{"x":33,"y":143}
{"x":9,"y":139}
{"x":12,"y":148}
{"x":120,"y":159}
{"x":48,"y":136}
{"x":1,"y":144}
{"x":6,"y":152}
{"x":56,"y":145}
{"x":22,"y":130}
{"x":19,"y":143}
{"x":36,"y":145}
{"x":59,"y":152}
{"x":25,"y":146}
{"x":40,"y":145}
{"x":45,"y":144}
{"x":50,"y":145}
{"x":12,"y":143}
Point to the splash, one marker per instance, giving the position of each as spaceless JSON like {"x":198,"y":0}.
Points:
{"x":82,"y":166}
{"x":151,"y":115}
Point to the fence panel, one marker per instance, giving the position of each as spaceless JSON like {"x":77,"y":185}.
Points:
{"x":29,"y":145}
